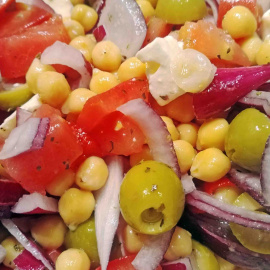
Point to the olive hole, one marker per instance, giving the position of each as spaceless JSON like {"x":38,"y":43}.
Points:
{"x":152,"y":215}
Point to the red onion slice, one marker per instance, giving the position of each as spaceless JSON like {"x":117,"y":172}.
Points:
{"x":26,"y":261}
{"x":180,"y":264}
{"x":257,"y":99}
{"x":265,"y":173}
{"x":28,"y":136}
{"x":22,"y":115}
{"x":63,"y":54}
{"x":153,"y":127}
{"x":214,"y":7}
{"x":107,"y":209}
{"x":38,"y":3}
{"x":187,"y":183}
{"x":99,"y":33}
{"x":98,"y":5}
{"x":26,"y":243}
{"x":35,"y":203}
{"x":2,"y":254}
{"x":124,"y":25}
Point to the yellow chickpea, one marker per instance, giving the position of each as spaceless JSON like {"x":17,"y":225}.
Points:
{"x":76,"y":2}
{"x":212,"y":133}
{"x":225,"y":265}
{"x":146,"y":8}
{"x":13,"y":249}
{"x":180,"y":246}
{"x":185,"y":154}
{"x":76,"y":206}
{"x":85,"y":45}
{"x":76,"y":100}
{"x":85,"y":15}
{"x":171,"y":127}
{"x":73,"y":28}
{"x":188,"y":132}
{"x":136,"y":158}
{"x":34,"y":70}
{"x":131,"y":68}
{"x":227,"y":194}
{"x":61,"y":183}
{"x":52,"y":88}
{"x":106,"y":56}
{"x":102,"y":81}
{"x":132,"y":239}
{"x":92,"y":174}
{"x":263,"y":54}
{"x":251,"y":46}
{"x":49,"y":231}
{"x":239,"y":22}
{"x":210,"y":165}
{"x":73,"y":259}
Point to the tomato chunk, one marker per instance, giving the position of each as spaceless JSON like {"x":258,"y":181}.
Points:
{"x":14,"y":22}
{"x":199,"y":35}
{"x":100,"y":105}
{"x":18,"y":51}
{"x":5,"y":4}
{"x":210,"y":188}
{"x":35,"y":169}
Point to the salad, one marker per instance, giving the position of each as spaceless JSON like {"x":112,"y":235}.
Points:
{"x":135,"y":134}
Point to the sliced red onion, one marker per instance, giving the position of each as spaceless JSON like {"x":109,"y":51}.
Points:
{"x":27,"y":243}
{"x":257,"y":99}
{"x":228,"y":212}
{"x":3,"y":253}
{"x":249,"y":182}
{"x":26,"y":261}
{"x":38,"y":3}
{"x":107,"y":209}
{"x":152,"y":251}
{"x":22,"y":115}
{"x":35,"y":203}
{"x":187,"y":182}
{"x":180,"y":264}
{"x":120,"y":229}
{"x":99,"y":33}
{"x":98,"y":5}
{"x":63,"y":54}
{"x":124,"y":25}
{"x":158,"y":137}
{"x":214,"y":7}
{"x":265,"y":173}
{"x":28,"y":136}
{"x":265,"y":4}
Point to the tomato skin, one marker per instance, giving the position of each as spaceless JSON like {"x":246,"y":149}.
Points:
{"x":123,"y":263}
{"x":35,"y":169}
{"x":100,"y":105}
{"x":15,"y":22}
{"x":5,"y":5}
{"x":210,"y":188}
{"x":226,"y":5}
{"x":18,"y":51}
{"x":118,"y":134}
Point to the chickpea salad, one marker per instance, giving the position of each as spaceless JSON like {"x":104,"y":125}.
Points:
{"x":135,"y":134}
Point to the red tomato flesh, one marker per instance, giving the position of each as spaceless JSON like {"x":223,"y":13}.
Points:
{"x":35,"y":169}
{"x":100,"y":105}
{"x":14,"y":22}
{"x":18,"y":51}
{"x":5,"y":4}
{"x":211,"y":188}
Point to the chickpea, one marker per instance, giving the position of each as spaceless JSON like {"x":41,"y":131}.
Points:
{"x":73,"y":28}
{"x":73,"y":259}
{"x":131,"y":68}
{"x":49,"y":231}
{"x":212,"y":133}
{"x":106,"y":56}
{"x":52,"y":88}
{"x":263,"y":54}
{"x":227,"y":194}
{"x":92,"y":174}
{"x":185,"y":154}
{"x":132,"y":239}
{"x":171,"y":127}
{"x":85,"y":15}
{"x":76,"y":206}
{"x":240,"y":22}
{"x":210,"y":165}
{"x":188,"y":132}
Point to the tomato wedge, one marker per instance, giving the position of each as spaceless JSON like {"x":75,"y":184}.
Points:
{"x":5,"y":4}
{"x":35,"y":169}
{"x":16,"y":21}
{"x":100,"y":105}
{"x":18,"y":51}
{"x":210,"y":188}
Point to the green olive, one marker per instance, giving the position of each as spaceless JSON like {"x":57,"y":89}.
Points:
{"x":84,"y":237}
{"x":151,"y":198}
{"x":10,"y":99}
